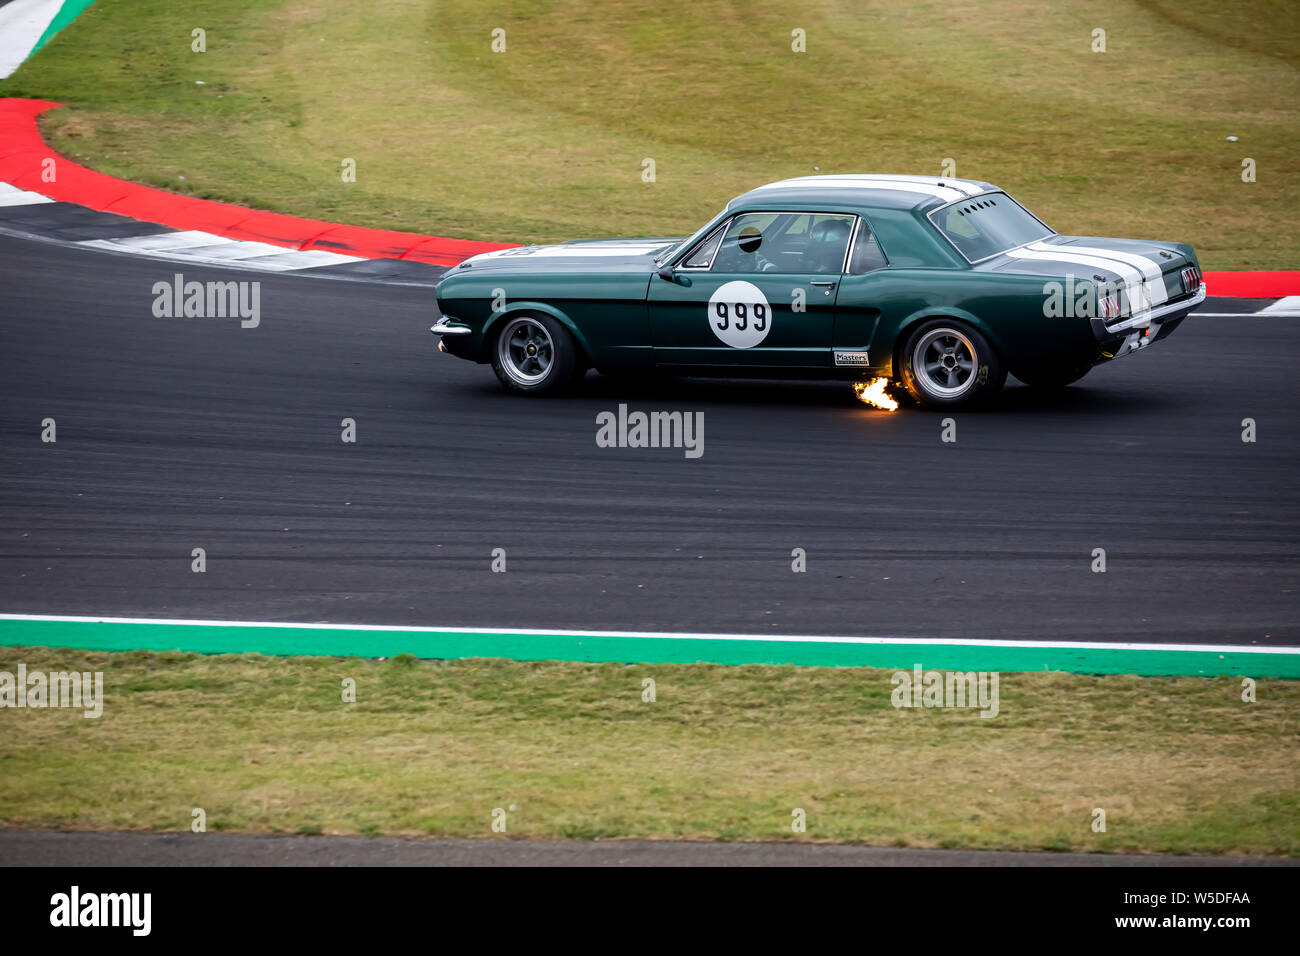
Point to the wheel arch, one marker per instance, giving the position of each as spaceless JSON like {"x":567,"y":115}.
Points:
{"x":513,"y":309}
{"x":910,"y":324}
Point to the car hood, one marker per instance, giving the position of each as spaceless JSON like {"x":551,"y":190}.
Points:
{"x":584,"y":255}
{"x":1150,"y":272}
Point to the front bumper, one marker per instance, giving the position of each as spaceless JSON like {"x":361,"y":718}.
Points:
{"x":456,"y":338}
{"x":1138,"y":331}
{"x":444,"y":327}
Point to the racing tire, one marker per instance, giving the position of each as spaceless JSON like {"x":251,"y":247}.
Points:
{"x":946,"y":364}
{"x":536,"y":355}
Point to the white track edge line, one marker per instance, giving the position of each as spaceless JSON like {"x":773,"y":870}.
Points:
{"x":667,"y":635}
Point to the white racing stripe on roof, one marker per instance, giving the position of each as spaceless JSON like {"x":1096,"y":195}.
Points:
{"x":13,"y":196}
{"x":202,"y":247}
{"x":970,"y":189}
{"x":946,"y":193}
{"x":1150,"y":269}
{"x":1133,"y":283}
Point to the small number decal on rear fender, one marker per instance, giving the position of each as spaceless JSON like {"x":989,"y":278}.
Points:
{"x":739,"y":314}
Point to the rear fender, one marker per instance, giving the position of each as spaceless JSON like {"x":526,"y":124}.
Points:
{"x":909,"y":325}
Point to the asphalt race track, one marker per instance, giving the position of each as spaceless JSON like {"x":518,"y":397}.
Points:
{"x":182,"y":433}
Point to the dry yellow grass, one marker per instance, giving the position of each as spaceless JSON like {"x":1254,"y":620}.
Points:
{"x":267,"y":744}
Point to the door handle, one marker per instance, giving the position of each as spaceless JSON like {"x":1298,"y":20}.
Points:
{"x":822,"y":282}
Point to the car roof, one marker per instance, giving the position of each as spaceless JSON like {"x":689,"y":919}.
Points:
{"x":868,"y":190}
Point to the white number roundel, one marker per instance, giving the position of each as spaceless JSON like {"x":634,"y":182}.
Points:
{"x":739,"y":314}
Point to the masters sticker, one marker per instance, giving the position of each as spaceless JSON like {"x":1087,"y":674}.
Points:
{"x":739,"y":314}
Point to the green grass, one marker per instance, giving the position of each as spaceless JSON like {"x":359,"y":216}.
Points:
{"x":266,"y":744}
{"x":546,"y":140}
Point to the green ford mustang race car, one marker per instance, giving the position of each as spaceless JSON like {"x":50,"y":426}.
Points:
{"x":942,"y":284}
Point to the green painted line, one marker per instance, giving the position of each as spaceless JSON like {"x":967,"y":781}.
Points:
{"x":355,"y":641}
{"x":70,"y":10}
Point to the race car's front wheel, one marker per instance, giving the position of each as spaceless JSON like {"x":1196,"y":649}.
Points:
{"x":947,"y":363}
{"x":1049,"y":380}
{"x":535,"y":354}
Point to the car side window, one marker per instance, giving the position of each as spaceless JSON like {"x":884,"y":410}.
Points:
{"x":867,"y":254}
{"x":702,"y":257}
{"x":828,"y":241}
{"x":793,"y":243}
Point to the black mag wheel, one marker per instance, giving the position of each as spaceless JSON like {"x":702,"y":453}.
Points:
{"x":535,"y":355}
{"x":946,"y":363}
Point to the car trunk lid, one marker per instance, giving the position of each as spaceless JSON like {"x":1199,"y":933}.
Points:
{"x":1148,"y":274}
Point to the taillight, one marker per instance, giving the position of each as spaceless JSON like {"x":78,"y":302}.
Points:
{"x":1191,"y":279}
{"x":1110,"y":305}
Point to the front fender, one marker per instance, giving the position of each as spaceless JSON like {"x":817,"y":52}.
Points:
{"x":514,"y":308}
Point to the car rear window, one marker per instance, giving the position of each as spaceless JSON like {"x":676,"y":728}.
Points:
{"x":987,"y":225}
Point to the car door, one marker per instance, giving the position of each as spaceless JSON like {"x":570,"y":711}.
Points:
{"x":757,"y":291}
{"x":858,"y":302}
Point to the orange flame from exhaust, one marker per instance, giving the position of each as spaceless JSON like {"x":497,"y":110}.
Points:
{"x":873,"y":393}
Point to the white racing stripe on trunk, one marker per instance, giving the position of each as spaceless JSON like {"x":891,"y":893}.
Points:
{"x":22,"y":23}
{"x":202,"y":247}
{"x":1132,"y":278}
{"x":1155,"y":280}
{"x":13,"y":196}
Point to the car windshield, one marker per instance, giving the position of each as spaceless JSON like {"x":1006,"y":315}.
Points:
{"x":662,"y":255}
{"x":986,"y":225}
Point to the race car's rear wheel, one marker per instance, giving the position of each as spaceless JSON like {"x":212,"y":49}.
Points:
{"x":947,"y":363}
{"x":1053,"y":379}
{"x":535,"y":354}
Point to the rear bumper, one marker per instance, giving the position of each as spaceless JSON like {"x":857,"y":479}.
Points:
{"x":1133,"y":333}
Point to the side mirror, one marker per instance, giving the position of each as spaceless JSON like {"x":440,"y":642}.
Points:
{"x":667,"y":274}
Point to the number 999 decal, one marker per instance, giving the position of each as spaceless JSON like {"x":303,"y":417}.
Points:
{"x":739,"y":314}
